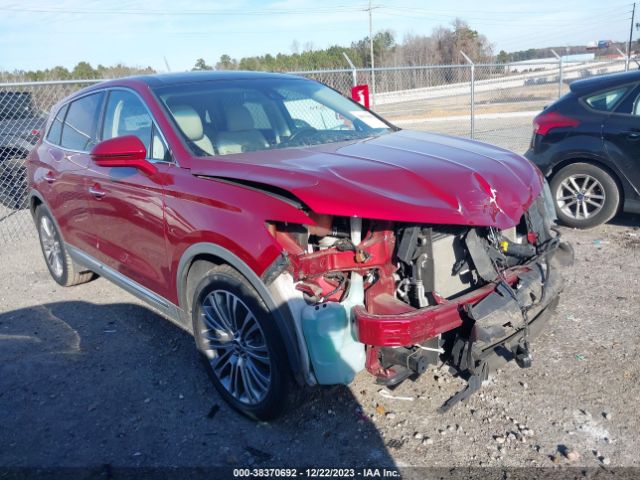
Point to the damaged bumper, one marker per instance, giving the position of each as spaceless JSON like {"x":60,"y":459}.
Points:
{"x":496,"y":315}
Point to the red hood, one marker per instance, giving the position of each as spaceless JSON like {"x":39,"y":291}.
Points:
{"x":403,"y":176}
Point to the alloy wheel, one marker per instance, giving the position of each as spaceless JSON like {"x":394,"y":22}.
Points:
{"x":51,"y":246}
{"x":235,"y":346}
{"x":580,"y":196}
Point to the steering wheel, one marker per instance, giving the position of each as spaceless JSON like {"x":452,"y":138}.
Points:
{"x":301,"y":133}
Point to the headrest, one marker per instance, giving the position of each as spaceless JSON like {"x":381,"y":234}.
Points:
{"x":189,"y":121}
{"x":238,"y":118}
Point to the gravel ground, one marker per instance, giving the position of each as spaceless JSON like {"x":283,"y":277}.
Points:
{"x":90,"y":377}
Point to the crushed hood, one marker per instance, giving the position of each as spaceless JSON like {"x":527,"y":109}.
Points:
{"x":403,"y":176}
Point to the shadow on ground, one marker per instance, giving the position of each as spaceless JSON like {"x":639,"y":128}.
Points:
{"x":626,"y":220}
{"x":85,"y":385}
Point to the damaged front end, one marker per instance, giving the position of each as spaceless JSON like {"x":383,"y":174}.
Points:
{"x":395,"y":297}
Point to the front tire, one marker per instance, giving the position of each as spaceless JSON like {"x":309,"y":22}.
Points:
{"x":584,"y":195}
{"x":61,"y":266}
{"x":241,"y":345}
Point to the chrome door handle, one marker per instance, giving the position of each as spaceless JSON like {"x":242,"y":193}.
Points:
{"x":96,"y":192}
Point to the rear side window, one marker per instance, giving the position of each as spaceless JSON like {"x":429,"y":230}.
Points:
{"x":606,"y":101}
{"x":55,"y":130}
{"x":78,"y":131}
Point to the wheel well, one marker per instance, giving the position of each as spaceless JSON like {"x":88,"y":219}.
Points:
{"x":198,"y":267}
{"x":616,"y":178}
{"x":34,"y":203}
{"x":194,"y":270}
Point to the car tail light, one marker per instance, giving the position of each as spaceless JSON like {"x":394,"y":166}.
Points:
{"x":547,"y":121}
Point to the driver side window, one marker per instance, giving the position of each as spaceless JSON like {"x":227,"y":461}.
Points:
{"x":125,"y":114}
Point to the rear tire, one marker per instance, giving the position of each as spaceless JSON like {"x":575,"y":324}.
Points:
{"x":241,"y":345}
{"x":61,"y":266}
{"x":584,"y":195}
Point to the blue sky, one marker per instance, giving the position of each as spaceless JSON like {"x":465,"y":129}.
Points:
{"x":38,"y":34}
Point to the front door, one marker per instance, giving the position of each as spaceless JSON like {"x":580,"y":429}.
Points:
{"x":127,"y":205}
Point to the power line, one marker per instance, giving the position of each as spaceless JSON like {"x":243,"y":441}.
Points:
{"x":255,"y":12}
{"x":481,"y":21}
{"x":501,"y":14}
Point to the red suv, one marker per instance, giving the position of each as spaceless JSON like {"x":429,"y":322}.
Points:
{"x":298,"y":236}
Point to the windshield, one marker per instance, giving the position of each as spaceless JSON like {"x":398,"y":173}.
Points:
{"x":224,"y":117}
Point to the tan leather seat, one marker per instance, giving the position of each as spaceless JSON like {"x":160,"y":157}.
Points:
{"x":191,"y":124}
{"x":241,"y":135}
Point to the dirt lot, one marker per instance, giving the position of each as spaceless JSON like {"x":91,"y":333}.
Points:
{"x":89,"y":377}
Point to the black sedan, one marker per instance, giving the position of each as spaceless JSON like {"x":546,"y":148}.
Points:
{"x":587,"y":144}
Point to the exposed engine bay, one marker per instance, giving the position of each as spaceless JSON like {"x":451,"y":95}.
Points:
{"x":414,"y":295}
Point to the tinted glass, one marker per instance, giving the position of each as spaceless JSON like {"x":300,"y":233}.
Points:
{"x":78,"y":131}
{"x":225,"y":117}
{"x":158,"y":148}
{"x":56,"y":126}
{"x":606,"y":101}
{"x":125,"y":114}
{"x":631,"y":104}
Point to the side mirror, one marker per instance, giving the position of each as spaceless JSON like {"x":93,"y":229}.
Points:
{"x":127,"y":151}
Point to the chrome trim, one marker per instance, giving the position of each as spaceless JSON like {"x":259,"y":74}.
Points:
{"x":164,"y":306}
{"x":97,"y":193}
{"x":44,"y":140}
{"x":105,"y":90}
{"x":61,"y":106}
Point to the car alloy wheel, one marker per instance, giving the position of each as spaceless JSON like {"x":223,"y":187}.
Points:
{"x":51,"y":246}
{"x":236,"y":347}
{"x":240,"y":342}
{"x":580,"y":196}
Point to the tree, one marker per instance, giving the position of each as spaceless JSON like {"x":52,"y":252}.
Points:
{"x":58,"y":73}
{"x":84,"y":70}
{"x":503,"y":57}
{"x":201,"y":65}
{"x":226,"y":63}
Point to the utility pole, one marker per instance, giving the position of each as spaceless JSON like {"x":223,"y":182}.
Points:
{"x":633,"y":14}
{"x":373,"y":73}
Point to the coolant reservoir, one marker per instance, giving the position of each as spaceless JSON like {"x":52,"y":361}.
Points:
{"x":336,"y":356}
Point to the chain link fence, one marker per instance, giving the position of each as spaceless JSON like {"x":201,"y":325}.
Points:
{"x":493,"y":103}
{"x":23,"y":111}
{"x":507,"y":98}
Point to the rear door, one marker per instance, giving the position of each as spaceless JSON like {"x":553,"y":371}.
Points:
{"x":126,"y":205}
{"x":65,"y":157}
{"x":621,"y":135}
